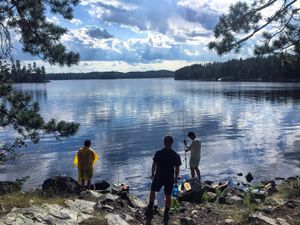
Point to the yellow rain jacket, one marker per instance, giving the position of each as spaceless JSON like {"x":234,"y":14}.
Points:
{"x":85,"y":160}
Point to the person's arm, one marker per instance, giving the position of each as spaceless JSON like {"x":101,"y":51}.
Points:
{"x":186,"y":145}
{"x":176,"y":174}
{"x":79,"y":159}
{"x":153,"y":169}
{"x":93,"y":158}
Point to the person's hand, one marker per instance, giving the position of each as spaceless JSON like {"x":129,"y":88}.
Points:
{"x":186,"y":150}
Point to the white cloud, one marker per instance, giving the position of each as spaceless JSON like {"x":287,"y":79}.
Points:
{"x":164,"y":30}
{"x":53,"y":19}
{"x":90,"y":66}
{"x":76,"y":21}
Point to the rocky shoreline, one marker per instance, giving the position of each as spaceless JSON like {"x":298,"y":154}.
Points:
{"x":62,"y":202}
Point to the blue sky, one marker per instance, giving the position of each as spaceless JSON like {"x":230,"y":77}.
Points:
{"x":141,"y":35}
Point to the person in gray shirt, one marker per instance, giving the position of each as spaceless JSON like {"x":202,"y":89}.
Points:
{"x":195,"y":149}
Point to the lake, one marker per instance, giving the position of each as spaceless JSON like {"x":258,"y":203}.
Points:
{"x":243,"y":127}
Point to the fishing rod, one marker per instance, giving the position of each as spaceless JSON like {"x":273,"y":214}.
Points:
{"x":183,"y":131}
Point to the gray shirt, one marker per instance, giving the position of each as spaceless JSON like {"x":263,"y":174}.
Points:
{"x":195,"y":149}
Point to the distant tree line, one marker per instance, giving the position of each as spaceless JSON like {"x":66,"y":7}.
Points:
{"x":110,"y":75}
{"x":271,"y":68}
{"x":29,"y":74}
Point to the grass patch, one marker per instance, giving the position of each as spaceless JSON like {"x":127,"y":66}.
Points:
{"x":290,"y":190}
{"x":97,"y":219}
{"x":248,"y":208}
{"x":23,"y":200}
{"x":205,"y":198}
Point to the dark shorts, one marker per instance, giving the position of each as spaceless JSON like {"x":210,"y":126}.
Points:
{"x":158,"y":184}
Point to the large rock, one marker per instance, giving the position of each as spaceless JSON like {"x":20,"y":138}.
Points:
{"x":187,"y":221}
{"x":100,"y":206}
{"x":211,"y":196}
{"x":222,"y":187}
{"x":81,"y":205}
{"x":90,"y":195}
{"x":45,"y":214}
{"x":233,"y":199}
{"x":136,"y":202}
{"x":108,"y":197}
{"x":249,"y":177}
{"x":115,"y":219}
{"x":194,"y":195}
{"x":7,"y":187}
{"x":101,"y":185}
{"x":260,"y":218}
{"x":60,"y":185}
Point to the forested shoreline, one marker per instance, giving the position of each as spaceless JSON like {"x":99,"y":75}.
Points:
{"x":27,"y":74}
{"x":271,"y":68}
{"x":111,"y":75}
{"x":264,"y":69}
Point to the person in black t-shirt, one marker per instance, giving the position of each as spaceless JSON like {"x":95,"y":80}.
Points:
{"x":165,"y":172}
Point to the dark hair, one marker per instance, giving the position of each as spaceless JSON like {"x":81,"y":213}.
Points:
{"x":168,"y":138}
{"x":87,"y":143}
{"x":191,"y":134}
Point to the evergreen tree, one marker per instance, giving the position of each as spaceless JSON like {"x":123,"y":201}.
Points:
{"x":31,"y":74}
{"x":276,"y":20}
{"x":270,"y":68}
{"x":39,"y":38}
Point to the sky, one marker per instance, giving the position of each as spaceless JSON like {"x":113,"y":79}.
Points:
{"x":140,"y":35}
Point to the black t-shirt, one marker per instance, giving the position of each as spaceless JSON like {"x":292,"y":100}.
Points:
{"x":166,"y":160}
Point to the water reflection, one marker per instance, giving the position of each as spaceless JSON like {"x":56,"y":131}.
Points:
{"x":243,"y":126}
{"x":275,"y":96}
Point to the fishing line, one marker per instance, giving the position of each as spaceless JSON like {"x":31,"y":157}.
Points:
{"x":183,"y":134}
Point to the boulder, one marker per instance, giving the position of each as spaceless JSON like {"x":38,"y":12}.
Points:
{"x":105,"y":198}
{"x":187,"y":221}
{"x":194,"y":195}
{"x":7,"y":187}
{"x":233,"y":199}
{"x":259,"y":194}
{"x":249,"y":177}
{"x":229,"y":221}
{"x":90,"y":195}
{"x":291,"y":179}
{"x":222,"y":187}
{"x":212,"y":196}
{"x":79,"y":205}
{"x":61,"y":185}
{"x":101,"y":185}
{"x":136,"y":202}
{"x":99,"y":206}
{"x":127,"y":217}
{"x":115,"y":219}
{"x":282,"y":221}
{"x":209,"y":188}
{"x":222,"y":200}
{"x":208,"y":182}
{"x":260,"y":218}
{"x":43,"y":215}
{"x":268,"y":209}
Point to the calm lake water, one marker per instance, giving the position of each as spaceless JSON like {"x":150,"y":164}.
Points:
{"x":243,"y":127}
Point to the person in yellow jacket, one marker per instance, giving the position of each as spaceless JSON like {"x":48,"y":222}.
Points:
{"x":85,"y":160}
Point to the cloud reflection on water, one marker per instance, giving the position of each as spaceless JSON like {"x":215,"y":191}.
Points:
{"x":243,"y":126}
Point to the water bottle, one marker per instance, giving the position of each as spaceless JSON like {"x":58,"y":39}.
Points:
{"x":175,"y":191}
